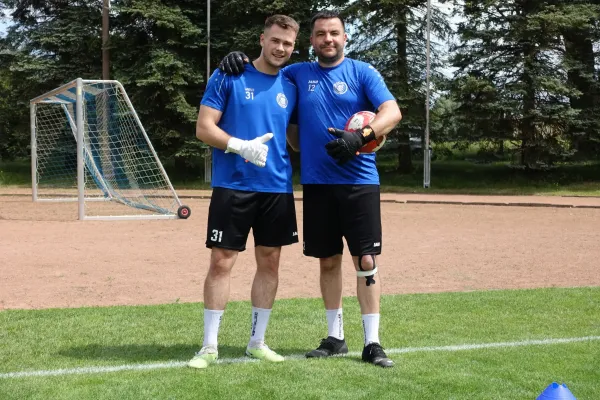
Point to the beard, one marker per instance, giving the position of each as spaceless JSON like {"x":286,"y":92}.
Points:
{"x":329,"y":59}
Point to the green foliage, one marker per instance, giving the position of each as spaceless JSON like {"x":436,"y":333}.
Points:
{"x":390,"y":34}
{"x":157,"y":50}
{"x":511,"y":78}
{"x":157,"y":53}
{"x":526,"y":70}
{"x":50,"y":43}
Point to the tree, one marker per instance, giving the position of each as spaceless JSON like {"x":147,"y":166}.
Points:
{"x":48,"y":45}
{"x":158,"y":52}
{"x":579,"y":32}
{"x":509,"y":65}
{"x":391,"y":35}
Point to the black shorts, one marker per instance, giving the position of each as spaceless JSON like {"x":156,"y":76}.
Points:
{"x":272,"y":217}
{"x":335,"y":211}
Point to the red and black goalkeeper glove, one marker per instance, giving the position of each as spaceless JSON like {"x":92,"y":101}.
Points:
{"x":233,"y":63}
{"x":347,"y":145}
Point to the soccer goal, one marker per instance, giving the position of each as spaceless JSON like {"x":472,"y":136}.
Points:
{"x":88,"y":145}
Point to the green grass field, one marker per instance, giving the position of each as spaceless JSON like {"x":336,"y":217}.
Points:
{"x":496,"y":178}
{"x":510,"y":340}
{"x":458,"y":176}
{"x":467,"y":177}
{"x":447,"y":177}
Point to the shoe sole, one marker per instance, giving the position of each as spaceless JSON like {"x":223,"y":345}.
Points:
{"x":208,"y":363}
{"x":327,"y":356}
{"x":264,"y":359}
{"x":379,"y":364}
{"x":198,"y":366}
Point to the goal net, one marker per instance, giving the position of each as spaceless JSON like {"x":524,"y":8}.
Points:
{"x":88,"y":145}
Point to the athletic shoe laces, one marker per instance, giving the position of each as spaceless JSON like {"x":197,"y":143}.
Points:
{"x":329,"y":344}
{"x":376,"y":351}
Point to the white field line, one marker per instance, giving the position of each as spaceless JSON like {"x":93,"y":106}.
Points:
{"x":179,"y":364}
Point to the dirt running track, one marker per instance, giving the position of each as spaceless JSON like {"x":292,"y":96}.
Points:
{"x":50,"y":259}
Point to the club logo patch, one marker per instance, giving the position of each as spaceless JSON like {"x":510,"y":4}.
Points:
{"x":282,"y":100}
{"x":340,"y":87}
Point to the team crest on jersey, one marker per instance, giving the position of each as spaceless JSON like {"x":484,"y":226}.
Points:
{"x":340,"y":87}
{"x":282,"y":100}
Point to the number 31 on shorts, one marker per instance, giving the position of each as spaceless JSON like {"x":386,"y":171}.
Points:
{"x":216,"y":235}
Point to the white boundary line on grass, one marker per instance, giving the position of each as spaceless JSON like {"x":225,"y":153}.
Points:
{"x":179,"y":364}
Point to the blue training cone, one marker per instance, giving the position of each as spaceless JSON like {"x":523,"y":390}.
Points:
{"x":554,"y":391}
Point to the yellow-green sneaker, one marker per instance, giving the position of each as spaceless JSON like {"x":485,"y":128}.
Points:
{"x":264,"y":353}
{"x":207,"y":355}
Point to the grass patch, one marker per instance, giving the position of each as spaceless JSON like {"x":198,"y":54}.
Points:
{"x":68,"y":338}
{"x":463,"y":177}
{"x":447,"y":177}
{"x":15,"y":173}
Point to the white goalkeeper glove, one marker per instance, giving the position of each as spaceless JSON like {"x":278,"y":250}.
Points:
{"x":254,"y":150}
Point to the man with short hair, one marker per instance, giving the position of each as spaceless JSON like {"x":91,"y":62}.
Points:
{"x":248,"y":116}
{"x":341,"y":196}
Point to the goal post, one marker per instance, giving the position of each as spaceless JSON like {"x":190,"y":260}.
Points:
{"x":88,"y":145}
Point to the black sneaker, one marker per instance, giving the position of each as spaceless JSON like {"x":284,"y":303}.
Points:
{"x":373,"y":353}
{"x":329,"y":347}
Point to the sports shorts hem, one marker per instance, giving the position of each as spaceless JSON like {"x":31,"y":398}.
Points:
{"x":276,"y":244}
{"x":369,"y":253}
{"x":315,"y":255}
{"x":210,"y":246}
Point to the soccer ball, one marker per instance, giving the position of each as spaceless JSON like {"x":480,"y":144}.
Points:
{"x":360,"y":120}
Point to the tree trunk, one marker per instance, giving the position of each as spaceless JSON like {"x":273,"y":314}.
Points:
{"x":580,"y":49}
{"x":528,"y":130}
{"x":404,"y":156}
{"x":528,"y":144}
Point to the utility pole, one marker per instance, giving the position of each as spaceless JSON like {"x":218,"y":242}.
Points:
{"x":105,"y":53}
{"x":425,"y":146}
{"x":208,"y":151}
{"x":207,"y":40}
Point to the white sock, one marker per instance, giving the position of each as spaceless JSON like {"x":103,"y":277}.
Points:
{"x":260,"y":320}
{"x":335,"y":323}
{"x":212,"y":321}
{"x":371,"y":328}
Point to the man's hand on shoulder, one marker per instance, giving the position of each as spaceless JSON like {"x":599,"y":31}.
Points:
{"x":233,"y":63}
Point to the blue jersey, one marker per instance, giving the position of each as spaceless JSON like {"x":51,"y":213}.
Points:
{"x":252,"y":104}
{"x":328,"y":97}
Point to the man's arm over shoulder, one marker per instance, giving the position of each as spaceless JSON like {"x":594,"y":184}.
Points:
{"x":291,"y":71}
{"x":233,"y":63}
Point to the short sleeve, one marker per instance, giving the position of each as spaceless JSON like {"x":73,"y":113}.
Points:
{"x":374,"y":85}
{"x":217,"y":91}
{"x":291,"y":72}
